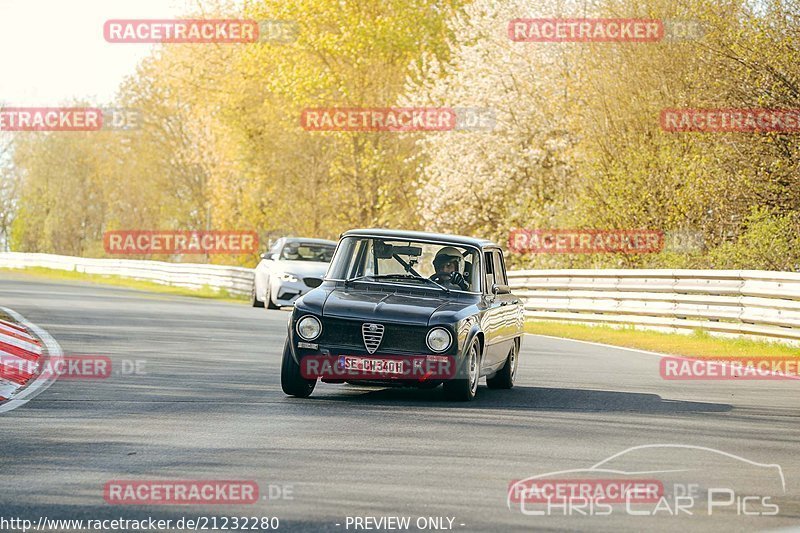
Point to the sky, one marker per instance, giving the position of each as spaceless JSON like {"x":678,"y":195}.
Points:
{"x":53,"y":51}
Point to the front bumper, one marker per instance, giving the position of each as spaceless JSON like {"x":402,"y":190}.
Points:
{"x":286,"y":292}
{"x":419,"y":366}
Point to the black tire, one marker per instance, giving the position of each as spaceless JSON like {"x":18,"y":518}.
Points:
{"x":464,"y":390}
{"x":504,"y":379}
{"x":254,"y":299}
{"x":268,"y":298}
{"x":292,"y":382}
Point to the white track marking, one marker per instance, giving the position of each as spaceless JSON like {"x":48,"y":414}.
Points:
{"x":43,"y":381}
{"x":657,"y":354}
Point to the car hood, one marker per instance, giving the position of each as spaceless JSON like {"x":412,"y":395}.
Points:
{"x":304,"y":269}
{"x":381,"y":306}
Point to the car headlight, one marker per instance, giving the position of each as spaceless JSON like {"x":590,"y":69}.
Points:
{"x":438,"y":339}
{"x":309,"y":327}
{"x":288,"y":276}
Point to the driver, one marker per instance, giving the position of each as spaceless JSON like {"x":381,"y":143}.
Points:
{"x":447,"y":263}
{"x":291,"y":252}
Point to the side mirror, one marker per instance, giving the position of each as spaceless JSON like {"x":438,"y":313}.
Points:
{"x":500,"y":289}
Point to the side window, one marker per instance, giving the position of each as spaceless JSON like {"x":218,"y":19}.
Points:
{"x":489,"y":266}
{"x":499,"y":268}
{"x":369,"y":263}
{"x":361,"y":262}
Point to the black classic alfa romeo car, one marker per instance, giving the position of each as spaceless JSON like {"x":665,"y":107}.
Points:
{"x":410,"y":309}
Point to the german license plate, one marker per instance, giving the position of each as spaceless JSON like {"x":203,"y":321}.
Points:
{"x":369,"y":364}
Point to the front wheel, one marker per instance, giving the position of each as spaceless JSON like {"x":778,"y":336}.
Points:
{"x":464,"y":390}
{"x":268,"y":298}
{"x":254,"y":298}
{"x":504,"y":379}
{"x":292,"y":382}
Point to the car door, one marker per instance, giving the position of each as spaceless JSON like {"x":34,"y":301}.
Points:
{"x":510,"y":306}
{"x":492,"y":320}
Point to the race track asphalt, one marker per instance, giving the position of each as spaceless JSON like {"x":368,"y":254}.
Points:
{"x":207,"y":404}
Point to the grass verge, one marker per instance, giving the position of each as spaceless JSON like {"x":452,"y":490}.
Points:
{"x":697,"y":344}
{"x":118,"y":281}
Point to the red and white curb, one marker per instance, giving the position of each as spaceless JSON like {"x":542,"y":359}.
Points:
{"x":26,"y":350}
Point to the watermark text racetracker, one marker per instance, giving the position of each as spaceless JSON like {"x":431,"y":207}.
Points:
{"x":69,"y":119}
{"x":181,"y":492}
{"x":585,"y":30}
{"x":603,"y":241}
{"x":387,"y":367}
{"x":397,"y":119}
{"x":579,"y":241}
{"x":199,"y":31}
{"x":125,"y":242}
{"x":603,"y":30}
{"x":69,"y":367}
{"x":730,"y":368}
{"x":731,"y":120}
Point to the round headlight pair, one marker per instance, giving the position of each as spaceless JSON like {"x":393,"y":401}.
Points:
{"x":309,"y":327}
{"x":438,"y":339}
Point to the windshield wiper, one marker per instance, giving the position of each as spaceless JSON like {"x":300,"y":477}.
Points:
{"x":414,"y":276}
{"x":397,"y":276}
{"x":380,"y":276}
{"x":357,"y":278}
{"x":445,"y":289}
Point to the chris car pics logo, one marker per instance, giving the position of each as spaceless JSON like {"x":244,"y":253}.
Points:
{"x":655,"y":480}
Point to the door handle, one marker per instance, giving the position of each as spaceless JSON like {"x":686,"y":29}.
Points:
{"x":503,"y":303}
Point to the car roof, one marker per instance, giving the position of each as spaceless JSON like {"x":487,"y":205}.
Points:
{"x":309,"y":241}
{"x":421,"y":235}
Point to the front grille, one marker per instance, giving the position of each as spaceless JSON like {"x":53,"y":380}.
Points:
{"x":397,"y":338}
{"x":373,"y":335}
{"x":312,"y":282}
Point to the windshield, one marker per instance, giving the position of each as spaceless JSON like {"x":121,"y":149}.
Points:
{"x":300,"y":251}
{"x":406,"y":261}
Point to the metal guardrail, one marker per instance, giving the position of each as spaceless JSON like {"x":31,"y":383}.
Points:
{"x":738,"y":302}
{"x":234,"y":280}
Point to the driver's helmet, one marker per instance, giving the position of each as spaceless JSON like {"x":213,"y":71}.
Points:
{"x":291,"y":252}
{"x":446,"y":255}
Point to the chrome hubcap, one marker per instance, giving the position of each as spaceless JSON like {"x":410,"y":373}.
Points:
{"x":473,"y":369}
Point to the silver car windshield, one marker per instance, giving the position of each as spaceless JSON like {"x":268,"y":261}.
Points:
{"x":298,"y":251}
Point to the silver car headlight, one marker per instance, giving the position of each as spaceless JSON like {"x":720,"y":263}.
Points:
{"x":438,"y":339}
{"x":288,"y":276}
{"x":309,"y":327}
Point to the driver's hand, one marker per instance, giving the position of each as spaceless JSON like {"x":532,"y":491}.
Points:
{"x":456,"y":278}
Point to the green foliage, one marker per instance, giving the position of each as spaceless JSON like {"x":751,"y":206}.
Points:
{"x":577,"y":144}
{"x":770,"y":241}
